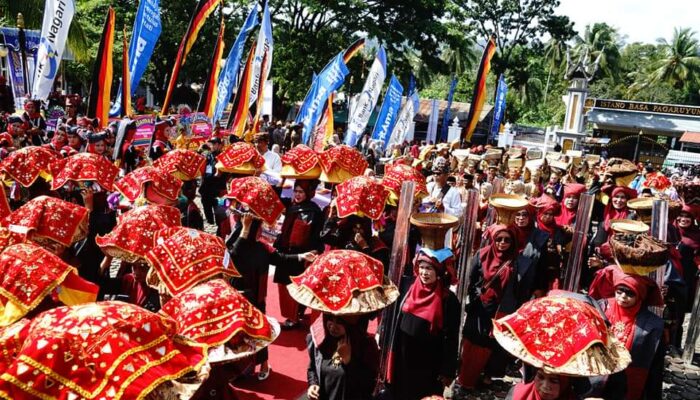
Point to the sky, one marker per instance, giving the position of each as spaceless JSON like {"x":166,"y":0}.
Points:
{"x":638,"y":20}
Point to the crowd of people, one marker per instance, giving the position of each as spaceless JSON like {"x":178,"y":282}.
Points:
{"x":107,"y":207}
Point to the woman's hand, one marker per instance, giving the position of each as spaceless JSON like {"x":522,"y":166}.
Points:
{"x":595,"y":262}
{"x":344,"y":350}
{"x":87,"y":196}
{"x":314,"y":392}
{"x":246,"y":222}
{"x":308,"y":256}
{"x":361,"y":241}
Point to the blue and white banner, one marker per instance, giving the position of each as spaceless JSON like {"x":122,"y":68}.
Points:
{"x":58,"y":15}
{"x":433,"y":122}
{"x":403,"y":124}
{"x":368,"y":99}
{"x":228,"y":77}
{"x":499,"y":107}
{"x":448,"y":112}
{"x":327,"y":82}
{"x":389,"y":111}
{"x":147,"y":28}
{"x":411,"y":84}
{"x":262,"y":60}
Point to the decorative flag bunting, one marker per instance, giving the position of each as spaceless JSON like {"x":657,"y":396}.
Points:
{"x":58,"y":15}
{"x":126,"y":84}
{"x":199,"y":16}
{"x":389,"y":111}
{"x":479,"y":95}
{"x":368,"y":99}
{"x":228,"y":78}
{"x":448,"y":111}
{"x":147,"y":28}
{"x":100,"y":88}
{"x":408,"y":111}
{"x":206,"y":104}
{"x":499,"y":106}
{"x":324,"y":130}
{"x":239,"y":114}
{"x":433,"y":121}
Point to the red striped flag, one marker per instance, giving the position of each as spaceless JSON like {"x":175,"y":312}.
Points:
{"x":479,"y":95}
{"x":240,"y":104}
{"x":199,"y":16}
{"x":101,"y":86}
{"x":211,"y":86}
{"x":353,"y":49}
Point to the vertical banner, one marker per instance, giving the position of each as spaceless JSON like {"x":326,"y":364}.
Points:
{"x":324,"y":129}
{"x":126,"y":82}
{"x":239,"y":113}
{"x":368,"y":99}
{"x":262,"y":61}
{"x":479,"y":95}
{"x":206,"y":103}
{"x":411,"y":84}
{"x":58,"y":15}
{"x":101,"y":86}
{"x":147,"y":28}
{"x":228,"y":78}
{"x":403,"y":124}
{"x":431,"y":135}
{"x":448,"y":110}
{"x":389,"y":111}
{"x":499,"y":107}
{"x":327,"y":81}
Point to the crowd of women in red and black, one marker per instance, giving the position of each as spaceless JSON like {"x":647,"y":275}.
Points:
{"x":109,"y":276}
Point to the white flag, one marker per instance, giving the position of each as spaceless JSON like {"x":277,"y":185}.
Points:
{"x":58,"y":15}
{"x":408,"y":111}
{"x":262,"y":60}
{"x":368,"y":99}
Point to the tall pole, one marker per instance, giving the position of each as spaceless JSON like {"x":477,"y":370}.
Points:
{"x":465,"y":260}
{"x":578,"y":243}
{"x":636,"y":148}
{"x":23,"y":53}
{"x":659,"y":230}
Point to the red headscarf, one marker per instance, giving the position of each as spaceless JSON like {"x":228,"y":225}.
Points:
{"x":425,"y":301}
{"x":527,"y":391}
{"x":690,"y":236}
{"x":567,"y":216}
{"x":491,"y":262}
{"x":611,"y":212}
{"x":547,"y":204}
{"x":522,"y":234}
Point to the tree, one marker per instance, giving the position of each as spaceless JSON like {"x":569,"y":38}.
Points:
{"x":601,"y":40}
{"x":680,"y":63}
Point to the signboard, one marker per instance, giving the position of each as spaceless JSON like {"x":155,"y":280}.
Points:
{"x":145,"y":126}
{"x":201,"y":127}
{"x":52,"y":118}
{"x":671,"y":109}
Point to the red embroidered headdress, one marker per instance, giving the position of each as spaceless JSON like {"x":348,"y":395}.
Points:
{"x":344,"y":282}
{"x":137,"y":184}
{"x":361,"y":196}
{"x":301,"y":162}
{"x":256,"y":194}
{"x":185,"y":165}
{"x":340,"y":163}
{"x":84,"y":167}
{"x":47,"y":219}
{"x":240,"y":158}
{"x":395,"y":174}
{"x":25,"y":165}
{"x":183,"y":257}
{"x":99,"y":350}
{"x":133,"y":236}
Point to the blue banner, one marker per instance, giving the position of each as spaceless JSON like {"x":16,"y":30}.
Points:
{"x":387,"y":115}
{"x":228,"y":77}
{"x":448,"y":113}
{"x":327,"y":81}
{"x":411,"y":84}
{"x":499,"y":107}
{"x":147,"y":28}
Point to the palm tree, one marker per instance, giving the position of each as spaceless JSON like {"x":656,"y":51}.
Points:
{"x":459,"y":59}
{"x":680,"y":64}
{"x":33,"y":12}
{"x":554,"y":53}
{"x":601,"y":38}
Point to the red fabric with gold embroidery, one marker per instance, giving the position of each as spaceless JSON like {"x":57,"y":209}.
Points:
{"x":361,"y":196}
{"x":335,"y":275}
{"x":554,"y":330}
{"x":183,"y":257}
{"x":344,"y":157}
{"x":133,"y":236}
{"x":240,"y":153}
{"x":84,"y":167}
{"x":11,"y":340}
{"x":25,"y":165}
{"x":183,"y":164}
{"x":214,"y":313}
{"x":5,"y":209}
{"x":259,"y":196}
{"x":99,"y":350}
{"x":133,"y":185}
{"x":302,"y":158}
{"x":396,"y":174}
{"x":47,"y":218}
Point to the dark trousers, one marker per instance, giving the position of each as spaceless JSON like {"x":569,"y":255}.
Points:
{"x":209,"y":204}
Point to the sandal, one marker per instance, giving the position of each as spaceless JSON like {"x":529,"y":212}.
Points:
{"x":262,"y":375}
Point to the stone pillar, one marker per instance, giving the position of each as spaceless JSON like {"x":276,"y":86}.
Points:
{"x":454,"y":132}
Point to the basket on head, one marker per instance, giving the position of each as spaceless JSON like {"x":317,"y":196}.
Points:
{"x":433,"y":227}
{"x":506,"y":206}
{"x":628,"y":226}
{"x":638,"y":254}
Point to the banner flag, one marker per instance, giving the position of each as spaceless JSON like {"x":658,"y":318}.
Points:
{"x":499,"y":106}
{"x":448,"y":111}
{"x":228,"y":78}
{"x":262,"y":62}
{"x":101,"y":86}
{"x":431,"y":135}
{"x":327,"y":81}
{"x":125,"y":82}
{"x":58,"y":15}
{"x":368,"y":99}
{"x":403,"y":123}
{"x":479,"y":95}
{"x":389,"y":111}
{"x":411,"y":84}
{"x":324,"y":129}
{"x":239,"y":114}
{"x":146,"y":32}
{"x":354,"y":48}
{"x":199,"y":16}
{"x":206,"y":103}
